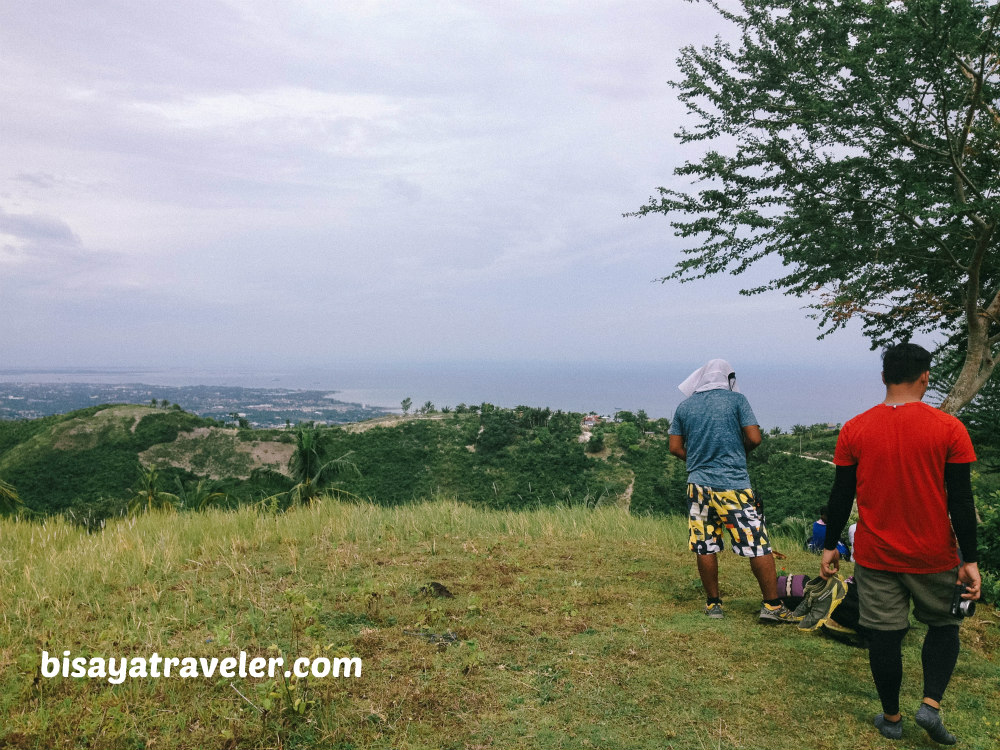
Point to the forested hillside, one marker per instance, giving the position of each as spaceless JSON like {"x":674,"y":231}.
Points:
{"x":90,"y":463}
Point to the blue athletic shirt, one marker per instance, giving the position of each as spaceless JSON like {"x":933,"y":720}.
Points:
{"x":712,"y":423}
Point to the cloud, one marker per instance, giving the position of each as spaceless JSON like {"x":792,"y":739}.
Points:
{"x":37,"y":230}
{"x":44,"y":181}
{"x":42,"y":255}
{"x":388,"y":173}
{"x":327,"y":120}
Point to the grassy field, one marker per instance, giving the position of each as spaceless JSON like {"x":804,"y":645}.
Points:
{"x":564,"y":628}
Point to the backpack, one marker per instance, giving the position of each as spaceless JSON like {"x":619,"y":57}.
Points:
{"x":843,"y":623}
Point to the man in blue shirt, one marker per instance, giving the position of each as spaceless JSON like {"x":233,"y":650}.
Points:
{"x":712,"y":431}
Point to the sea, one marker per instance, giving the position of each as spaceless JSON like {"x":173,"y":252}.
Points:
{"x":780,"y":396}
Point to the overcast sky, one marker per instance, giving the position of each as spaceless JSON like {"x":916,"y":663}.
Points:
{"x":316,"y":181}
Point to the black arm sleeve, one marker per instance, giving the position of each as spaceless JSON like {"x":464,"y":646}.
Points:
{"x":958,"y":483}
{"x":845,"y":484}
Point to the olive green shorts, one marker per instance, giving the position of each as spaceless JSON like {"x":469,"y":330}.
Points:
{"x":884,"y":598}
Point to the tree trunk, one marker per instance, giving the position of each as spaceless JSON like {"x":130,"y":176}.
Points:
{"x":979,"y":360}
{"x":979,"y":364}
{"x":975,"y":373}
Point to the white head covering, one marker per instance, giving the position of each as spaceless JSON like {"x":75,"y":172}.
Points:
{"x":713,"y":376}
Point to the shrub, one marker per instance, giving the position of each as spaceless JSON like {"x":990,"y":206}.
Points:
{"x":596,"y":442}
{"x":628,"y":434}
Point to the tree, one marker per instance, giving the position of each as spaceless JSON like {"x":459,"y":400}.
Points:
{"x":149,"y":496}
{"x":862,"y":148}
{"x":596,"y":442}
{"x":981,"y":416}
{"x":406,"y":404}
{"x":628,"y":434}
{"x":307,"y":469}
{"x":199,"y":497}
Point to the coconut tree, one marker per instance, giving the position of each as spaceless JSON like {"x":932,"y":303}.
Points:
{"x":307,"y":468}
{"x":149,"y":496}
{"x":199,"y":497}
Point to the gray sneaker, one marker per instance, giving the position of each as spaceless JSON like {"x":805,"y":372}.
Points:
{"x":822,"y":604}
{"x":889,"y":729}
{"x":812,"y":590}
{"x":930,"y":720}
{"x":714,"y":611}
{"x":780,"y":615}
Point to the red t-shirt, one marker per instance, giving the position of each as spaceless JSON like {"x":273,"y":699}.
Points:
{"x":900,"y":452}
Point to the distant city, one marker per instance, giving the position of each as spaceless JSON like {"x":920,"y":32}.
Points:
{"x":254,"y":407}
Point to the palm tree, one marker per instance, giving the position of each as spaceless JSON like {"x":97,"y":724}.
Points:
{"x":10,"y":501}
{"x":307,"y":471}
{"x":149,"y":496}
{"x":200,"y":497}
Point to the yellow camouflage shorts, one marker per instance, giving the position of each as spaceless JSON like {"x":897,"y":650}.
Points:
{"x":712,"y":510}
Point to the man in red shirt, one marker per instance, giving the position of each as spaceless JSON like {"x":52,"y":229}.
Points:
{"x":909,"y":464}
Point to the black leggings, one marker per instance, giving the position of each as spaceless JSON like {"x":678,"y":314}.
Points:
{"x":938,"y":656}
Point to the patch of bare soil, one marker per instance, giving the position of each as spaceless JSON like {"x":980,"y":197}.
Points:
{"x":217,"y":453}
{"x":625,"y":499}
{"x":390,"y":421}
{"x":84,"y":433}
{"x":272,"y":454}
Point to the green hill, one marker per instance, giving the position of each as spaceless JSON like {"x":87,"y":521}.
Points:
{"x":87,"y":463}
{"x":86,"y":458}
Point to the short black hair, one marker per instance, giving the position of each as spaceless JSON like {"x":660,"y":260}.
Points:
{"x":904,"y":363}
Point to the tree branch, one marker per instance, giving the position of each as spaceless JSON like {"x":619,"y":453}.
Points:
{"x":899,"y":213}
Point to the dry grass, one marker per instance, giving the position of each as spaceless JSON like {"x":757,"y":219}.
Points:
{"x":566,"y":628}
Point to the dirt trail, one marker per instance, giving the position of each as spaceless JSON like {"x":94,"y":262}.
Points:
{"x":625,"y":499}
{"x":810,"y":458}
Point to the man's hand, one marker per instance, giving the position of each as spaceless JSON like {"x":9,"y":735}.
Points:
{"x":830,"y":565}
{"x":969,"y":575}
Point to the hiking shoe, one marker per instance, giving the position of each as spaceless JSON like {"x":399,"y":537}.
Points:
{"x":714,"y":611}
{"x":889,"y":729}
{"x":776,"y":615}
{"x":928,"y":718}
{"x":810,"y":591}
{"x":823,"y":603}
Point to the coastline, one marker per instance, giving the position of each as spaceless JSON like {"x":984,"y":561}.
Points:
{"x":780,"y":395}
